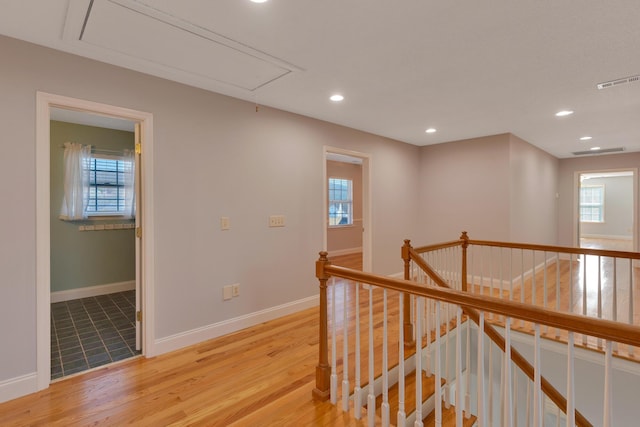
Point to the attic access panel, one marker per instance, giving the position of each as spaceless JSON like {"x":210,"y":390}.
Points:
{"x":138,"y":31}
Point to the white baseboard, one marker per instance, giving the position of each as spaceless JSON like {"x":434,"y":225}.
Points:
{"x":19,"y":386}
{"x":347,"y":251}
{"x":607,"y":237}
{"x":195,"y":336}
{"x":92,"y":291}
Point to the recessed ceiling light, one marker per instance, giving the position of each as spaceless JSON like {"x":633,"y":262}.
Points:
{"x":594,"y":148}
{"x":564,"y":113}
{"x":337,"y":97}
{"x":430,"y":130}
{"x":585,"y":138}
{"x":259,"y":1}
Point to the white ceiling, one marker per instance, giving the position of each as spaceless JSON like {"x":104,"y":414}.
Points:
{"x":468,"y":68}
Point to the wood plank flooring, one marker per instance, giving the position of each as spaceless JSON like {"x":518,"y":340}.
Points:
{"x":262,"y":376}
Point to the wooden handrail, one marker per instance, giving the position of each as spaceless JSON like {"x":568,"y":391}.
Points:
{"x":529,"y":246}
{"x":549,"y":390}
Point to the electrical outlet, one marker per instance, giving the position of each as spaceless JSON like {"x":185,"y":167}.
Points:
{"x":225,"y":223}
{"x":235,"y":290}
{"x":276,"y":221}
{"x":227,"y":292}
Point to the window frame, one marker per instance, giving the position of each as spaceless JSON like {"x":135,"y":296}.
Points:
{"x":600,"y":205}
{"x":97,"y":215}
{"x":348,"y":201}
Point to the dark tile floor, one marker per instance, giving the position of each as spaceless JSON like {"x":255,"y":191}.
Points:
{"x":91,"y":332}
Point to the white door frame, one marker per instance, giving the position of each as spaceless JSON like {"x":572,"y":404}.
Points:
{"x":367,"y":241}
{"x":44,"y":103}
{"x":576,"y":203}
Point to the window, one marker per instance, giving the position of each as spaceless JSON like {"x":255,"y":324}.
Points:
{"x":109,"y":193}
{"x":592,"y":203}
{"x":340,"y":202}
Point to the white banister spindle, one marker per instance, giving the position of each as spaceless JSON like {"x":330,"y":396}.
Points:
{"x":418,"y":357}
{"x":467,"y":388}
{"x":482,"y":404}
{"x":345,"y":350}
{"x":508,"y":403}
{"x":438,"y":388}
{"x":334,"y":372}
{"x":537,"y":388}
{"x":608,"y":386}
{"x":522,"y":282}
{"x":459,"y":405}
{"x":490,"y":386}
{"x":447,"y":375}
{"x":584,"y":293}
{"x":357,"y":389}
{"x":614,"y":309}
{"x":429,"y":327}
{"x":544,"y":288}
{"x":533,"y":278}
{"x":570,"y":283}
{"x":402,"y":416}
{"x":571,"y":387}
{"x":501,"y":392}
{"x":371,"y":397}
{"x":491,"y":315}
{"x":384,"y":409}
{"x":631,"y":300}
{"x":599,"y":294}
{"x":558,"y":289}
{"x":510,"y":274}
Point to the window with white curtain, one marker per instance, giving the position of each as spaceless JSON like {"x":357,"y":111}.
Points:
{"x":97,"y":184}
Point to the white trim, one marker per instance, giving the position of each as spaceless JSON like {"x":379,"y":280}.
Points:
{"x":204,"y":333}
{"x":18,"y":386}
{"x":44,"y":102}
{"x":92,"y":291}
{"x":347,"y":251}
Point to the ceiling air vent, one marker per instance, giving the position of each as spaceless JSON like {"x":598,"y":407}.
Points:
{"x":618,"y":82}
{"x":603,"y":151}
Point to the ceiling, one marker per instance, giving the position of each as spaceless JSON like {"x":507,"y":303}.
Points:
{"x":466,"y":68}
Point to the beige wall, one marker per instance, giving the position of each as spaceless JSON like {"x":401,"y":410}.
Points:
{"x":213,"y":156}
{"x":345,"y":239}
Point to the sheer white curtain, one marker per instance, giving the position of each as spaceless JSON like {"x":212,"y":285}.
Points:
{"x":76,"y":181}
{"x":129,"y":184}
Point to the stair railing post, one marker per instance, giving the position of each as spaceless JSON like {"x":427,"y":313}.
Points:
{"x":323,"y":370}
{"x":408,"y":321}
{"x":465,"y":245}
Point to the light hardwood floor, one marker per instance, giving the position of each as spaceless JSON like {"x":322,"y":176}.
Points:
{"x":261,"y":376}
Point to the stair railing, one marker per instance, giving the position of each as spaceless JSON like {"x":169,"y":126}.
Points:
{"x":374,"y":383}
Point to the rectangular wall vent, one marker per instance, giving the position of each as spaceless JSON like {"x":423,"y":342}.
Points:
{"x":603,"y":151}
{"x":618,"y":82}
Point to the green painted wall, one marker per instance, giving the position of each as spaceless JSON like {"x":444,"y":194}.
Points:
{"x":87,"y":258}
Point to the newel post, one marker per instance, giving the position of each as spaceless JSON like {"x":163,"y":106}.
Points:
{"x":406,"y":312}
{"x":465,"y":245}
{"x":323,"y":370}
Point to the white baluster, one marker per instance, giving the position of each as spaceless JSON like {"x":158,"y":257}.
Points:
{"x":459,"y":404}
{"x":533,"y":278}
{"x":467,"y":399}
{"x":544,"y":289}
{"x":418,"y":357}
{"x":385,"y":364}
{"x":357,"y":390}
{"x":371,"y":397}
{"x":558,"y":288}
{"x":428,"y":329}
{"x":571,"y":387}
{"x":438,"y":389}
{"x":522,"y":282}
{"x":511,"y":274}
{"x":537,"y":389}
{"x":608,"y":387}
{"x":402,"y":416}
{"x":584,"y":293}
{"x":570,"y":283}
{"x":491,"y":315}
{"x":334,"y":374}
{"x":599,"y":294}
{"x":631,"y":300}
{"x":614,"y":309}
{"x":490,"y":386}
{"x":482,"y":421}
{"x":345,"y":350}
{"x":447,"y":375}
{"x":508,"y":415}
{"x":515,"y":394}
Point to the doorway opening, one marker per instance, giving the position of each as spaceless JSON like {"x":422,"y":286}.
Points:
{"x":347,"y":207}
{"x":93,"y":252}
{"x":72,"y":287}
{"x":606,"y":209}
